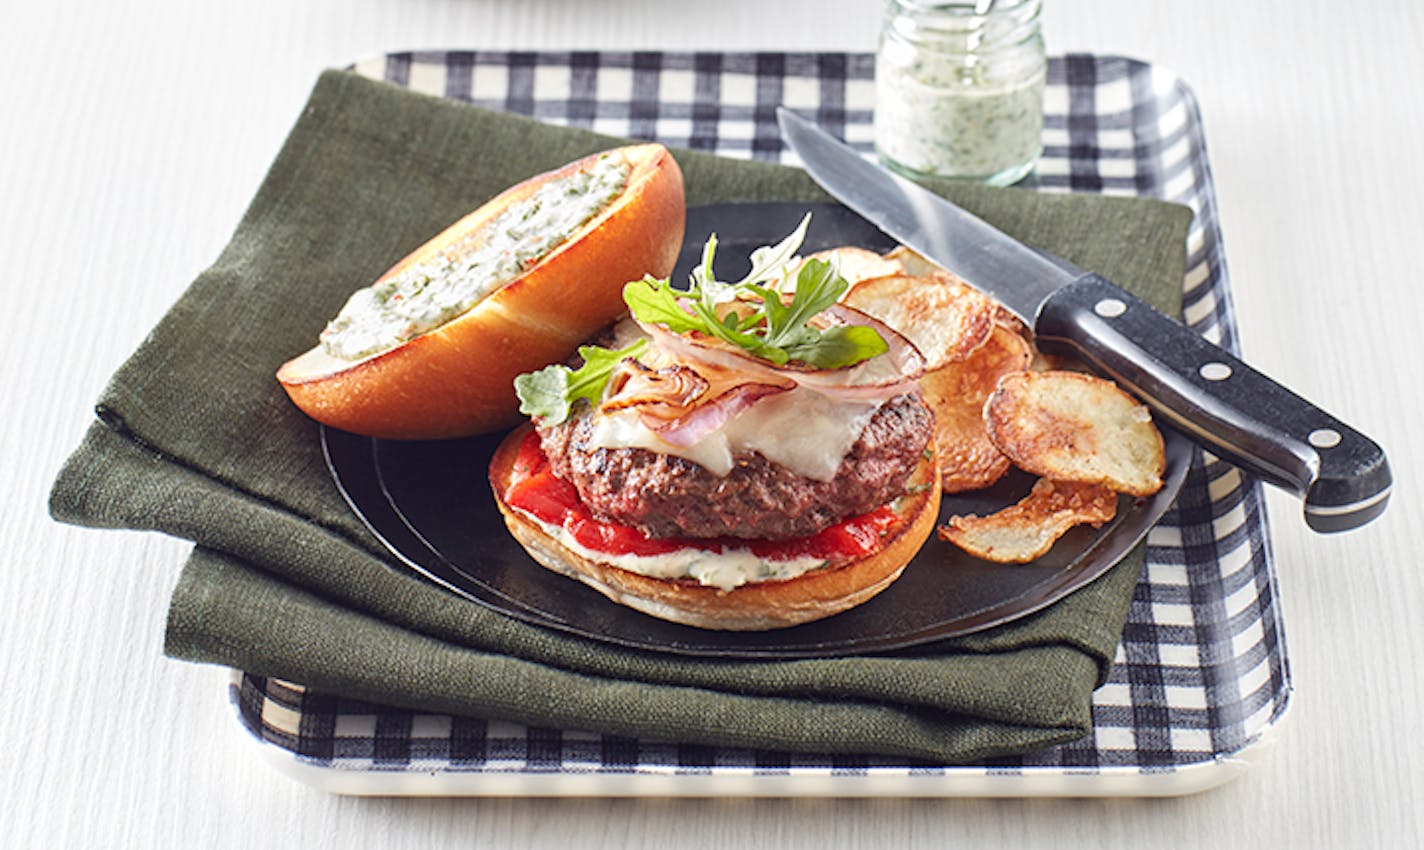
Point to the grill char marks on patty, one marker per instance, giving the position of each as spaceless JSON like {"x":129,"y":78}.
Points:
{"x":670,"y":496}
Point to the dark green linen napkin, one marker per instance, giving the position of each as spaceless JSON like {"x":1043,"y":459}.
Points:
{"x":197,"y":440}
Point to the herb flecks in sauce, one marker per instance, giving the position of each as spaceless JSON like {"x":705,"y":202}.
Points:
{"x":428,"y":294}
{"x":959,"y":89}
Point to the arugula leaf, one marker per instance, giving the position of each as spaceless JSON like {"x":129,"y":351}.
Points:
{"x":768,"y":261}
{"x":764,"y":323}
{"x":818,"y":287}
{"x":704,"y":283}
{"x":840,"y":345}
{"x":544,"y":394}
{"x":654,"y":300}
{"x":551,"y":392}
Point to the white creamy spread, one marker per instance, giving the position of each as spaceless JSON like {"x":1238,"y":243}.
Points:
{"x":957,"y":116}
{"x":428,"y":294}
{"x":726,"y":570}
{"x":805,"y":431}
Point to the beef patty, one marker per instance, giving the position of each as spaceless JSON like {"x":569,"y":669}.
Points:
{"x":671,"y":496}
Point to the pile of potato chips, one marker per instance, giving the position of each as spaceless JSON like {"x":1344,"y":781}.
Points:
{"x":999,"y":403}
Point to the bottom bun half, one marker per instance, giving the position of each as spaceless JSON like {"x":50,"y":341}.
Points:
{"x":754,"y":606}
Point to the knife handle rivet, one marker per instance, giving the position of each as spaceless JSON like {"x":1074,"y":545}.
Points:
{"x":1215,"y":371}
{"x":1324,"y":438}
{"x":1110,"y":308}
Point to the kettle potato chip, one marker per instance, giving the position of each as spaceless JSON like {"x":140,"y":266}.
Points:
{"x":1069,"y":426}
{"x":1025,"y":531}
{"x":956,"y":392}
{"x":943,"y":317}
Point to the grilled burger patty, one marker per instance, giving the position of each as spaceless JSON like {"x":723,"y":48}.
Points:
{"x":670,"y":496}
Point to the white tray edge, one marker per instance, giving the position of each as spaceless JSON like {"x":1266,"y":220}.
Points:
{"x":793,"y":782}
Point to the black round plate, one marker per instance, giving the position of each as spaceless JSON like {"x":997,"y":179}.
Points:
{"x":430,"y":503}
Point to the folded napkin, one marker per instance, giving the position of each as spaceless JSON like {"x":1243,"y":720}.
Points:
{"x":196,"y":439}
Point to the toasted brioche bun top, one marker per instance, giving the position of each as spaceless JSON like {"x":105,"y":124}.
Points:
{"x":457,"y":379}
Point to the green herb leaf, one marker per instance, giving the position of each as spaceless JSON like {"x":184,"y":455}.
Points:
{"x":653,"y":300}
{"x":544,"y":394}
{"x":818,"y":287}
{"x":704,"y":282}
{"x":764,"y":324}
{"x":838,"y":346}
{"x":768,"y":261}
{"x":551,"y":392}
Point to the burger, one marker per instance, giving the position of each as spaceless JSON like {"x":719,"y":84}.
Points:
{"x":741,"y":456}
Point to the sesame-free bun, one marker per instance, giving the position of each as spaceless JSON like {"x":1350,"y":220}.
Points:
{"x":751,"y":607}
{"x":458,"y":379}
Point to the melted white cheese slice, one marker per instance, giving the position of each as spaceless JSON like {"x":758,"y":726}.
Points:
{"x":805,"y":431}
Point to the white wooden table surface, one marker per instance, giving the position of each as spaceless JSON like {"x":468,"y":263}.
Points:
{"x":133,"y":134}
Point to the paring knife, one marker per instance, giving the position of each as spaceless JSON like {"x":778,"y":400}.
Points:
{"x":1202,"y":390}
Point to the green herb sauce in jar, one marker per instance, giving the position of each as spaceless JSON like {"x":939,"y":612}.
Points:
{"x":959,"y":93}
{"x":428,"y":294}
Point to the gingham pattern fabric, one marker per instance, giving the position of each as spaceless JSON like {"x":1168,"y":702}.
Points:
{"x":1201,"y":671}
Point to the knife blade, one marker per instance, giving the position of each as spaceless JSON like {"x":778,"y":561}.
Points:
{"x":1199,"y":388}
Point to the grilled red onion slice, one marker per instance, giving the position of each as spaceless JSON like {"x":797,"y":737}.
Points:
{"x":704,"y":419}
{"x":880,"y":378}
{"x":684,"y":403}
{"x":674,"y":388}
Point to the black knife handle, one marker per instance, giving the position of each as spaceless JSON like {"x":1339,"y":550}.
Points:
{"x":1235,"y":411}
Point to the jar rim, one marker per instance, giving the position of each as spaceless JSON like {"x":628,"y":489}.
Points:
{"x":955,"y":28}
{"x":967,"y":8}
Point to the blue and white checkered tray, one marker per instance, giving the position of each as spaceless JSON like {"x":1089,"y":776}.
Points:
{"x":1201,"y":675}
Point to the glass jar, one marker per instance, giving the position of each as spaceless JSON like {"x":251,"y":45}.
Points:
{"x":959,"y":92}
